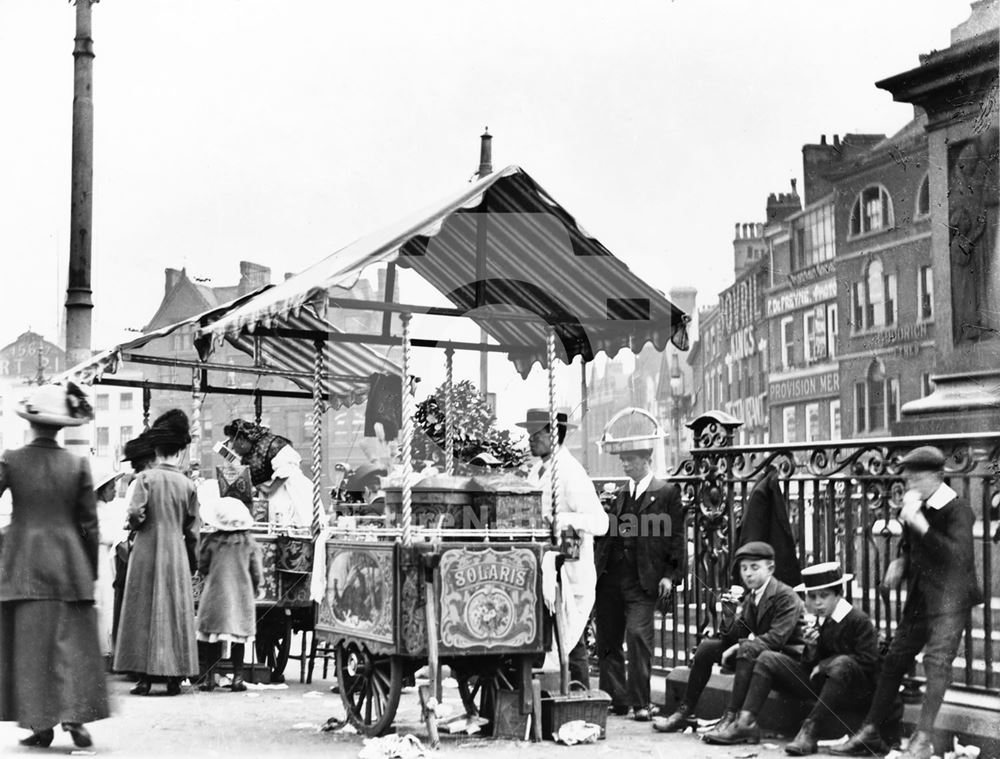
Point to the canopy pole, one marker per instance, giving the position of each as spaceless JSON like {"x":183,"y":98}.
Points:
{"x":195,"y":455}
{"x":407,"y":442}
{"x":584,"y":415}
{"x":317,"y":439}
{"x":449,"y":410}
{"x":550,"y":350}
{"x":147,"y":399}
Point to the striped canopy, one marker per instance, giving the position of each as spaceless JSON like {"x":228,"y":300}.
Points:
{"x":348,"y":366}
{"x":500,"y":243}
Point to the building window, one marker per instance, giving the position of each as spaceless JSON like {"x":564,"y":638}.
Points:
{"x":788,"y":423}
{"x":832,"y":330}
{"x":876,"y":395}
{"x":860,"y":407}
{"x":812,"y":422}
{"x":873,"y":302}
{"x":924,"y":198}
{"x":814,"y":238}
{"x":926,"y":385}
{"x":835,"y":420}
{"x":925,"y":288}
{"x":101,"y":403}
{"x":102,"y":440}
{"x":892,"y":400}
{"x":872,"y":211}
{"x":125,"y":403}
{"x":124,"y":435}
{"x":787,"y":343}
{"x":820,"y":328}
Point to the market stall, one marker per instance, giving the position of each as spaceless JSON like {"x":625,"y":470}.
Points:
{"x":407,"y":593}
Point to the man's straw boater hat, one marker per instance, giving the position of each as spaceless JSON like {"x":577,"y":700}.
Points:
{"x":57,"y":405}
{"x":819,"y":576}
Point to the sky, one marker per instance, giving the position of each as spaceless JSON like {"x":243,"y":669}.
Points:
{"x":279,"y":132}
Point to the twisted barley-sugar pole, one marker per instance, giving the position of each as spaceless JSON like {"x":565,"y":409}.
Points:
{"x":449,"y":411}
{"x":407,"y":442}
{"x":79,"y":304}
{"x":317,"y":439}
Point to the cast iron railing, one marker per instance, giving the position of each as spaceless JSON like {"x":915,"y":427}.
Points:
{"x":843,"y":500}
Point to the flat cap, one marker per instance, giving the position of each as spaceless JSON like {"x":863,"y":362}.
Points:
{"x":755,"y":549}
{"x":926,"y":458}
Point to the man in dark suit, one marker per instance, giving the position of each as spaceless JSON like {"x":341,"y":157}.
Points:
{"x":639,"y":562}
{"x":938,"y":563}
{"x":770,"y":619}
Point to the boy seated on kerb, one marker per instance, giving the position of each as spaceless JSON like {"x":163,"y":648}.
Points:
{"x":837,"y":668}
{"x":770,"y":619}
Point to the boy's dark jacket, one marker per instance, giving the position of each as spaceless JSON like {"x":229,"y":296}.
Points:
{"x":852,"y":636}
{"x":940,"y":565}
{"x":776,"y":624}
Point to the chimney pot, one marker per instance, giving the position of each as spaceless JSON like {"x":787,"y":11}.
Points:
{"x":737,"y":232}
{"x":794,"y":182}
{"x":822,"y":139}
{"x":836,"y":140}
{"x":485,"y":153}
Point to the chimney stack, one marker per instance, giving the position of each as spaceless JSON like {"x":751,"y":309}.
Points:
{"x":485,"y":153}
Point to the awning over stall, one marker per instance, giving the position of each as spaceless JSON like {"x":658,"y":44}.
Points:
{"x":504,"y":246}
{"x":348,"y":366}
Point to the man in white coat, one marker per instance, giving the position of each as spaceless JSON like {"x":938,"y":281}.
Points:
{"x":576,"y":506}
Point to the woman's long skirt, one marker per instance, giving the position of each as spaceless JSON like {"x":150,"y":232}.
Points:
{"x":51,"y":668}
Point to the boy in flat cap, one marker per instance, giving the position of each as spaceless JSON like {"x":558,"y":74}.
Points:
{"x":837,"y":668}
{"x":770,"y":619}
{"x":639,"y":562}
{"x":938,"y":563}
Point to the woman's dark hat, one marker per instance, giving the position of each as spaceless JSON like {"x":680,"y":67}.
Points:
{"x":170,"y":429}
{"x":242,"y":428}
{"x":825,"y":575}
{"x":926,"y":458}
{"x":138,"y":449}
{"x":538,"y":418}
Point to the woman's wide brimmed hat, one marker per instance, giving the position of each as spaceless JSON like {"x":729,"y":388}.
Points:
{"x":104,"y":477}
{"x":227,"y":514}
{"x":59,"y":404}
{"x":825,"y":575}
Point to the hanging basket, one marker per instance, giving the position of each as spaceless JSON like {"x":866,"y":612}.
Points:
{"x":615,"y":446}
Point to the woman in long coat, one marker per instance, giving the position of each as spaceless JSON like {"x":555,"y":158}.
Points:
{"x":156,"y":636}
{"x":51,"y":668}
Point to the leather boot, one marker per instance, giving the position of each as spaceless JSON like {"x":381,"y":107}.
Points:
{"x":805,"y":742}
{"x":743,"y":729}
{"x":38,"y":739}
{"x":173,"y":686}
{"x":866,"y":742}
{"x":679,"y":720}
{"x":79,"y":734}
{"x":920,"y":746}
{"x":238,"y":685}
{"x":141,"y":687}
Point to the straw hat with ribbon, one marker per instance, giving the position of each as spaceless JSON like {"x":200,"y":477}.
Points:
{"x":227,"y":514}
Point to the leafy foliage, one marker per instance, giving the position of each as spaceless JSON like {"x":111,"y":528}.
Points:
{"x":475,"y":430}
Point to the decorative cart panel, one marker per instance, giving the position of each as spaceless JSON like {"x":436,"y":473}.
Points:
{"x":360,"y":601}
{"x":293,"y":561}
{"x":491,"y":599}
{"x":268,"y":559}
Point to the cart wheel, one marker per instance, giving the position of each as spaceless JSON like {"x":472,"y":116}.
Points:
{"x":274,"y":640}
{"x":478,"y":686}
{"x":370,"y":686}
